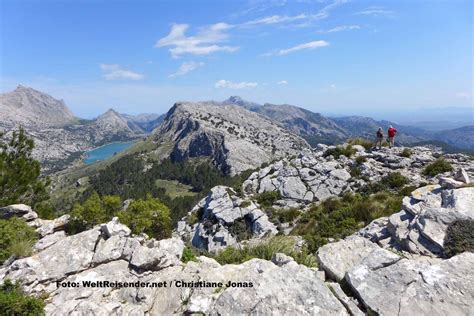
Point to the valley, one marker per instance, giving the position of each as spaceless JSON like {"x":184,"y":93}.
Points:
{"x":221,"y":189}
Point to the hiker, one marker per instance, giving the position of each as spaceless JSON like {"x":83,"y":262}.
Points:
{"x":391,"y":136}
{"x":379,"y":138}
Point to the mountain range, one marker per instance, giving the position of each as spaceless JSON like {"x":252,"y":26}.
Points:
{"x":316,"y":128}
{"x":59,"y":136}
{"x":235,"y":134}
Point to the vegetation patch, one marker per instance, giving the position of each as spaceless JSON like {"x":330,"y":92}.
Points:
{"x":188,"y":255}
{"x":240,"y":230}
{"x":367,"y":144}
{"x":267,"y":199}
{"x":20,"y":180}
{"x":16,"y":238}
{"x":175,"y":189}
{"x":406,"y":153}
{"x":440,"y":165}
{"x":14,"y":302}
{"x":394,"y":181}
{"x":283,"y":215}
{"x":338,"y":151}
{"x":265,"y":250}
{"x":361,"y":159}
{"x":459,"y":237}
{"x":147,"y":215}
{"x":342,"y":216}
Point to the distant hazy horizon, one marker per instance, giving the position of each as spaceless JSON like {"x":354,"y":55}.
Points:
{"x":384,"y":59}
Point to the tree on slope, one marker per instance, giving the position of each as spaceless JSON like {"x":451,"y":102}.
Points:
{"x":19,"y":171}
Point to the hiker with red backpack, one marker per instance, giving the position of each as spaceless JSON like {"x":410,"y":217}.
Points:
{"x":391,"y":136}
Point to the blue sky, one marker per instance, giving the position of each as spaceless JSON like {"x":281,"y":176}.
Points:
{"x":330,"y":56}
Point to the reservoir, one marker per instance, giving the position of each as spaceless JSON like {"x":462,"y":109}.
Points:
{"x":106,"y":151}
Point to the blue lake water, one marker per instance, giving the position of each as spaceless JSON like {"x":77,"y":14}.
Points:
{"x":106,"y":151}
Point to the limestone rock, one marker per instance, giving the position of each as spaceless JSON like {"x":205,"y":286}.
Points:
{"x":46,"y":227}
{"x":414,"y":287}
{"x":221,"y":210}
{"x":114,"y":227}
{"x":339,"y":257}
{"x":18,"y":210}
{"x":281,"y":259}
{"x":159,"y":255}
{"x":462,"y":176}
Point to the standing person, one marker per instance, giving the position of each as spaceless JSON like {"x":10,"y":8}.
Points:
{"x":391,"y":136}
{"x":379,"y":138}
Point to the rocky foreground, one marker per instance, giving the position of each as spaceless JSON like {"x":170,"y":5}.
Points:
{"x":311,"y":177}
{"x":394,"y":266}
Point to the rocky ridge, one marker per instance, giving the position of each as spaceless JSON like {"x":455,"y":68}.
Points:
{"x":313,"y":176}
{"x":233,"y":138}
{"x":217,"y":220}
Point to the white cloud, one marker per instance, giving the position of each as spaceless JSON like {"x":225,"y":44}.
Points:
{"x":116,"y":72}
{"x":376,"y":12}
{"x":323,"y":13}
{"x":234,"y":85}
{"x":186,"y":67}
{"x":309,"y":45}
{"x":282,"y":82}
{"x":203,"y":43}
{"x":341,"y":28}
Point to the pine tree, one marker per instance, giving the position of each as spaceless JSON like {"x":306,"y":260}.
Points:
{"x":19,"y":172}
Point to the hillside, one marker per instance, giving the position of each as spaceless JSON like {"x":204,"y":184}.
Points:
{"x":462,"y":137}
{"x":59,"y":136}
{"x":316,"y":128}
{"x":34,"y":109}
{"x":233,"y":138}
{"x":343,"y":253}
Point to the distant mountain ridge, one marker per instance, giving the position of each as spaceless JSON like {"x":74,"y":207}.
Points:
{"x":59,"y":136}
{"x":317,"y":128}
{"x":30,"y":107}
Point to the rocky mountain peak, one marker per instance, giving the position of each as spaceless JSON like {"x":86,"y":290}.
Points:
{"x":234,"y":138}
{"x":29,"y":107}
{"x":236,"y":100}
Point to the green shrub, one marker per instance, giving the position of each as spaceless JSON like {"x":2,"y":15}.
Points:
{"x":459,"y":237}
{"x":244,"y":204}
{"x":407,"y":190}
{"x":367,"y":144}
{"x":338,"y":151}
{"x":265,"y":250}
{"x":16,"y":238}
{"x":278,"y":216}
{"x":361,"y":159}
{"x":394,"y":180}
{"x":440,"y":165}
{"x":406,"y":153}
{"x":14,"y":302}
{"x":188,"y":255}
{"x":342,"y":216}
{"x":147,"y":215}
{"x":240,"y":230}
{"x":355,"y":172}
{"x":267,"y":199}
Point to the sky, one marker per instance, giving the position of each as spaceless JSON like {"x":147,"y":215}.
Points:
{"x":330,"y":56}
